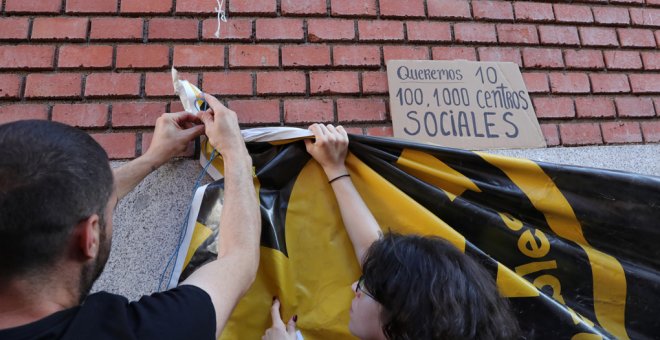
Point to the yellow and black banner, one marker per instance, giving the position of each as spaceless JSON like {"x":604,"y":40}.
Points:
{"x":576,"y":250}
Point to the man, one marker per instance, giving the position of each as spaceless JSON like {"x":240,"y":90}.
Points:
{"x":57,"y":196}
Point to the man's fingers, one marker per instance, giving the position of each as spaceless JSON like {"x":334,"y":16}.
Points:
{"x":205,"y":117}
{"x":343,"y":132}
{"x":213,"y":102}
{"x":275,"y":313}
{"x":291,"y":325}
{"x":324,"y":130}
{"x":194,"y":131}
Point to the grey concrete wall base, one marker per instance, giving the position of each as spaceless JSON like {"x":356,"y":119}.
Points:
{"x":147,"y":223}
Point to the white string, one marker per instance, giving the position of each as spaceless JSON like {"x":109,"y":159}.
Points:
{"x":221,"y":16}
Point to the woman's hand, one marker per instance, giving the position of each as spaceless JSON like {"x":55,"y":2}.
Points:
{"x":329,"y":149}
{"x":279,"y":331}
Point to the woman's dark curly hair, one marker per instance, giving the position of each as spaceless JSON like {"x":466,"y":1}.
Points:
{"x":430,"y":290}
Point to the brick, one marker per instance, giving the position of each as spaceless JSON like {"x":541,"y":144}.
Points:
{"x":160,"y":84}
{"x":590,"y":59}
{"x":90,"y":56}
{"x":623,"y":60}
{"x":651,"y":131}
{"x":59,"y":28}
{"x":58,"y":85}
{"x":143,"y":56}
{"x":280,"y":29}
{"x":471,"y":32}
{"x":238,"y":29}
{"x":532,"y":11}
{"x":264,"y":7}
{"x":551,"y":134}
{"x":334,"y":82}
{"x":173,"y":29}
{"x":91,"y":6}
{"x":645,"y":16}
{"x":580,"y":134}
{"x":30,"y":7}
{"x":573,"y":13}
{"x":455,"y":9}
{"x":554,"y":107}
{"x":136,"y":114}
{"x":362,"y":110}
{"x":454,"y":53}
{"x":356,"y":55}
{"x":536,"y":82}
{"x":621,"y":132}
{"x":197,"y":7}
{"x":510,"y":54}
{"x":308,"y":111}
{"x":229,"y":83}
{"x":611,"y":15}
{"x":281,"y":82}
{"x":354,"y":130}
{"x":402,"y":9}
{"x":428,"y":31}
{"x":113,"y":85}
{"x":26,"y":57}
{"x":634,"y":106}
{"x":81,"y":115}
{"x":14,"y":28}
{"x":148,"y":137}
{"x":308,"y":7}
{"x":609,"y":83}
{"x":559,"y":35}
{"x":517,"y":34}
{"x":651,"y":60}
{"x":306,"y":55}
{"x":116,"y":29}
{"x":380,"y":30}
{"x":598,"y":36}
{"x":645,"y":83}
{"x":364,"y":8}
{"x":10,"y":86}
{"x":543,"y":58}
{"x":256,"y":111}
{"x":118,"y":145}
{"x":631,"y":37}
{"x":14,"y":112}
{"x":330,"y":30}
{"x":594,"y":107}
{"x":199,"y":56}
{"x":569,"y":83}
{"x":380,"y":131}
{"x":405,"y":52}
{"x":374,"y":82}
{"x":495,"y":10}
{"x":146,"y":6}
{"x":253,"y":56}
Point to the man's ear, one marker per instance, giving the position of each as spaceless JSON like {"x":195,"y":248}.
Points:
{"x":89,"y":240}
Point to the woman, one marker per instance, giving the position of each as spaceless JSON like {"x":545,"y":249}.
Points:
{"x":412,"y":287}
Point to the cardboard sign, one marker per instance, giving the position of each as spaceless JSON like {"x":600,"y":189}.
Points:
{"x":462,"y":104}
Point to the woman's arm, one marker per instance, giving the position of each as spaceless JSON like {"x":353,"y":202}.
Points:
{"x":330,"y":151}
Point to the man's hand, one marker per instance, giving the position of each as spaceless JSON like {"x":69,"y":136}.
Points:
{"x":279,"y":331}
{"x":330,"y":148}
{"x":222,"y":128}
{"x":171,"y":137}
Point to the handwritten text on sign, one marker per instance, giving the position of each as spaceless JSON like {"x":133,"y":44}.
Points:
{"x":469,"y":105}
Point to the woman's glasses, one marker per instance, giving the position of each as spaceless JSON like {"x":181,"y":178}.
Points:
{"x":360,"y":287}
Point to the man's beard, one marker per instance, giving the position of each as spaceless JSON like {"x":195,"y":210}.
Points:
{"x":90,"y":272}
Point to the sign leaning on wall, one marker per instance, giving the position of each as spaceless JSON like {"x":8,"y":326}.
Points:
{"x":462,"y":104}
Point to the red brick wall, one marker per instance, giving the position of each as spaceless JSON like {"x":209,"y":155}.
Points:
{"x":592,"y":66}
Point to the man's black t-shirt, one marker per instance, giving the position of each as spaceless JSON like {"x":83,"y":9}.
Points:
{"x":185,"y":312}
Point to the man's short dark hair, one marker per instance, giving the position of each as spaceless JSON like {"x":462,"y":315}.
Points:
{"x":430,"y":290}
{"x":52,"y":176}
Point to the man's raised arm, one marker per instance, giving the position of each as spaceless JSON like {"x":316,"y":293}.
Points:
{"x":228,"y":278}
{"x":171,"y":137}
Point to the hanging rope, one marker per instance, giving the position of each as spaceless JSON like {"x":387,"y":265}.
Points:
{"x":221,"y":16}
